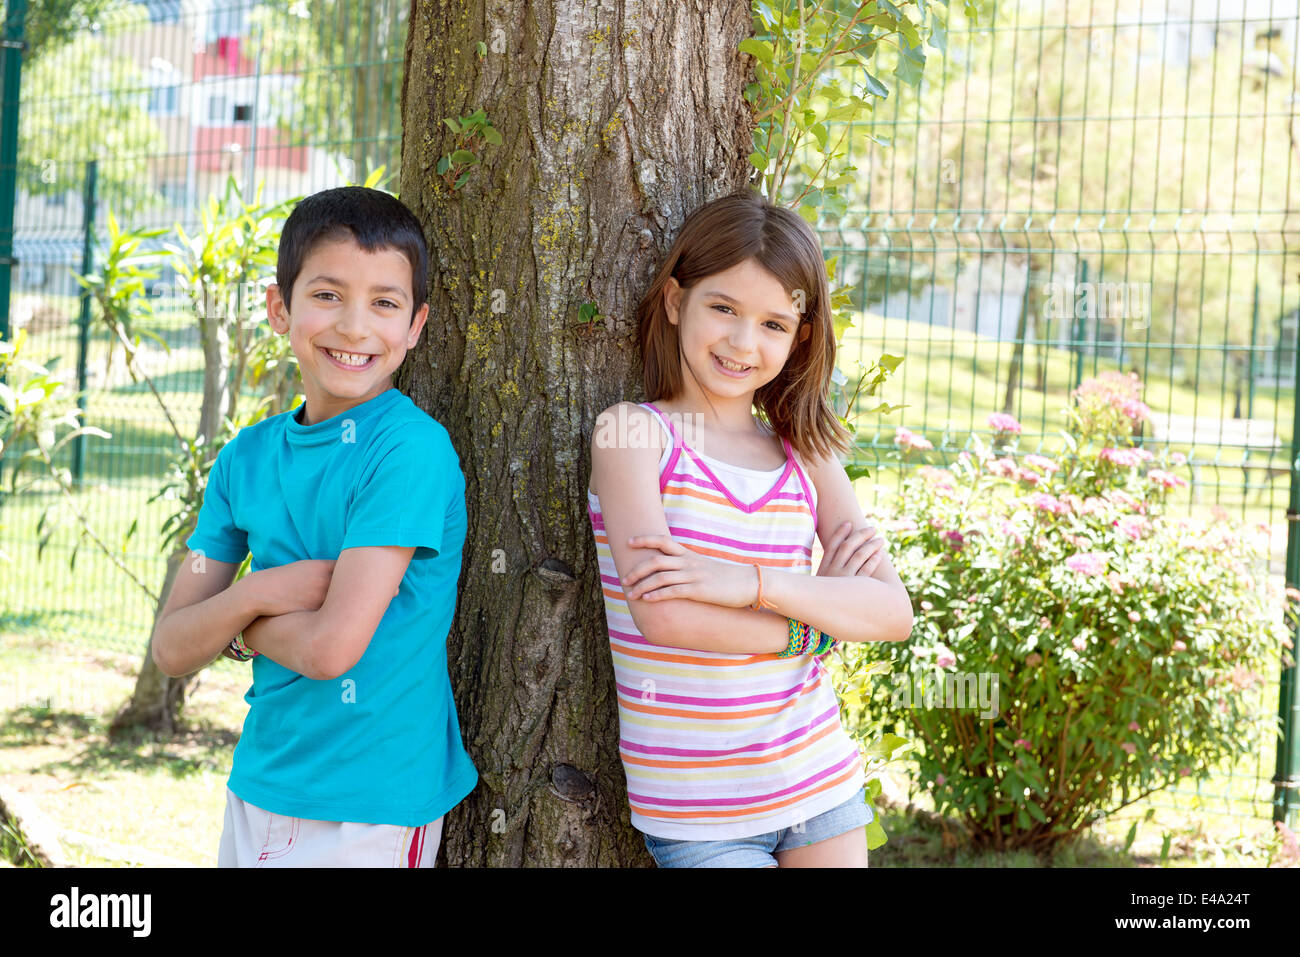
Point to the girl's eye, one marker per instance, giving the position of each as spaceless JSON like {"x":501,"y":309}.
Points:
{"x":719,"y":305}
{"x":773,"y":324}
{"x":386,"y":302}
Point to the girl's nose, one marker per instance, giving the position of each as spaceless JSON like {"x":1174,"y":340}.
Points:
{"x":741,"y":336}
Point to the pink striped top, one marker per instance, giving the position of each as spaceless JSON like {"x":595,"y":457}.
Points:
{"x":718,"y":745}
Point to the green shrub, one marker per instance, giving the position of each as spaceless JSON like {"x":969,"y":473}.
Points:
{"x":1126,"y":646}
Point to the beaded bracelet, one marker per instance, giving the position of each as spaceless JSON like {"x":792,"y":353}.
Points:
{"x":806,"y":640}
{"x":240,"y":650}
{"x":800,"y":638}
{"x":825,"y":644}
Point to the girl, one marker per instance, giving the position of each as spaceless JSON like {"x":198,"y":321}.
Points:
{"x":704,"y":515}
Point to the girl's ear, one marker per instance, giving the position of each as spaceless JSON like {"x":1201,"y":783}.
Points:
{"x":672,"y":299}
{"x":804,"y":331}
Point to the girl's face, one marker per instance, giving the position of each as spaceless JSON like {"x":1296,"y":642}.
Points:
{"x":736,"y":327}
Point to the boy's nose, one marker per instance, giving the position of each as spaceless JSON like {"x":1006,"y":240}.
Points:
{"x":351,"y":322}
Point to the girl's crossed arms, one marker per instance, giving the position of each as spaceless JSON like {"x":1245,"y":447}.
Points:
{"x":679,"y":598}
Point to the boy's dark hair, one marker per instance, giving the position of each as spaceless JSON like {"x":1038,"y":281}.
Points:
{"x":372,"y":217}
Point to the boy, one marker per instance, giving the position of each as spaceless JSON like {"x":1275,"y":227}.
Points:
{"x":353,"y":506}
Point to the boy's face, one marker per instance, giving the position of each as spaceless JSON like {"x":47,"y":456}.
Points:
{"x":349,"y":324}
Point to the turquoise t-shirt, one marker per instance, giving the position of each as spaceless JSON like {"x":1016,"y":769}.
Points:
{"x":381,"y":744}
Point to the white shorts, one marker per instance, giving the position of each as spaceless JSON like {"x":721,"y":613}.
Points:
{"x":252,"y":837}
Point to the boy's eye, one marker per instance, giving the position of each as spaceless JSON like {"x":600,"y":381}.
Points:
{"x":318,"y":295}
{"x":720,"y":305}
{"x":386,"y":302}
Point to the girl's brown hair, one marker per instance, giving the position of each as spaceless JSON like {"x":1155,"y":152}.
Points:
{"x":725,"y":233}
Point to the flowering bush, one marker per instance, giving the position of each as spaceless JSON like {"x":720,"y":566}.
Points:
{"x":1123,"y":644}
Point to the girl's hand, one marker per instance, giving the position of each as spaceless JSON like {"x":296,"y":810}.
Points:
{"x":851,"y":553}
{"x":677,"y":572}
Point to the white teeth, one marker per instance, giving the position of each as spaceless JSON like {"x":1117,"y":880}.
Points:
{"x":731,"y":365}
{"x":348,"y":358}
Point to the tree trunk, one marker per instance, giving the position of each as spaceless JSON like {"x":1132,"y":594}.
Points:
{"x":617,"y":120}
{"x":156,"y":702}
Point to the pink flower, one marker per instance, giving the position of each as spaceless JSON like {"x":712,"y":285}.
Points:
{"x":1091,"y":564}
{"x":1042,"y":462}
{"x":945,"y":658}
{"x":1010,"y":529}
{"x":1033,"y":659}
{"x":1183,"y":772}
{"x":955,"y":538}
{"x":940,"y":780}
{"x":1092,"y":505}
{"x":1125,"y":499}
{"x":1079,"y":643}
{"x":1178,"y":458}
{"x":1001,"y":422}
{"x":1021,"y":743}
{"x":1134,"y":617}
{"x":1133,"y":726}
{"x":1135,"y":409}
{"x":1128,"y":457}
{"x":1130,"y":748}
{"x":1025,"y":475}
{"x":1132,"y":525}
{"x":1003,"y":467}
{"x":1167,"y":479}
{"x":1180,"y":645}
{"x":907,"y":440}
{"x":927,"y":606}
{"x":1048,"y":503}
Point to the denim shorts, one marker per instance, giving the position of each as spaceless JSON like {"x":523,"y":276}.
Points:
{"x":760,"y":849}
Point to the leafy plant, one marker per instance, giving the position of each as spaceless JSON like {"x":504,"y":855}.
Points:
{"x":473,"y":132}
{"x":813,"y":69}
{"x":1128,"y":646}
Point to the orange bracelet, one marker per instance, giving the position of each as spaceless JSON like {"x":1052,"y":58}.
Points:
{"x":758,"y":602}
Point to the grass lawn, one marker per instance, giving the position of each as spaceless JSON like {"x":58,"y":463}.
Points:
{"x":165,"y":796}
{"x":71,"y":638}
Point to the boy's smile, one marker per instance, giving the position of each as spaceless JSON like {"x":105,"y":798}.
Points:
{"x":349,"y":323}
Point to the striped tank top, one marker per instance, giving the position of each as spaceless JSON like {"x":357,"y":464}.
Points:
{"x":715,"y":745}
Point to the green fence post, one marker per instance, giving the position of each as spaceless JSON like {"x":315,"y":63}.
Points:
{"x":1080,"y":326}
{"x":12,"y":45}
{"x":1250,"y":356}
{"x":1286,"y":779}
{"x":83,"y":342}
{"x":12,"y":48}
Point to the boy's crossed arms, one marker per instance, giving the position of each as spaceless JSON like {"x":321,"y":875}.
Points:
{"x":314,"y":617}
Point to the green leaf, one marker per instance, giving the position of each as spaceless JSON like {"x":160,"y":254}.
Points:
{"x":453,"y":125}
{"x":758,"y":161}
{"x":1132,"y":836}
{"x":856,"y":472}
{"x":876,"y":836}
{"x":492,"y":136}
{"x":463,"y":157}
{"x":759,"y":49}
{"x":444,"y":164}
{"x":482,"y":49}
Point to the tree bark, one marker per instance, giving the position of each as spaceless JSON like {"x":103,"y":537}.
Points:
{"x":157,"y":699}
{"x":617,"y":119}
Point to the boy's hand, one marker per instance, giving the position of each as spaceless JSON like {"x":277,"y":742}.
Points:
{"x":851,"y":553}
{"x":298,"y":586}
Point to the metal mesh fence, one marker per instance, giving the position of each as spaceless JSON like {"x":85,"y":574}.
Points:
{"x":1074,"y":187}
